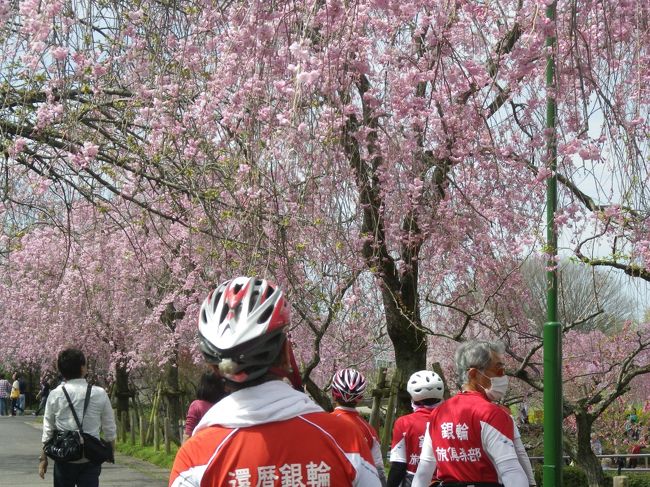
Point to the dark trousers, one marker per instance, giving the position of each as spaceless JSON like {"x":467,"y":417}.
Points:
{"x":15,"y":406}
{"x":41,"y":406}
{"x":76,"y":474}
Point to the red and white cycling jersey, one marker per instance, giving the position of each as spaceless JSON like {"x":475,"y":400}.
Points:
{"x":271,"y":435}
{"x":408,"y":436}
{"x":352,"y":417}
{"x":467,"y":437}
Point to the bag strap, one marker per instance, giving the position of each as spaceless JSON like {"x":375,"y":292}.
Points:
{"x":86,"y":401}
{"x":74,"y":413}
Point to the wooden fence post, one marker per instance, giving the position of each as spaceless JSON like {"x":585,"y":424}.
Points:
{"x":156,"y":433}
{"x":132,"y":422}
{"x":390,"y":412}
{"x":123,"y":423}
{"x":166,"y":432}
{"x":377,"y":396}
{"x":143,"y":431}
{"x":154,"y":411}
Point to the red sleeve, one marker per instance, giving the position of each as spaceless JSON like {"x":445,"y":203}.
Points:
{"x":398,"y":432}
{"x":192,"y":419}
{"x":196,"y":452}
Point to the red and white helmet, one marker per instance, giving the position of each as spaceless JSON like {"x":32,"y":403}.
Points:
{"x":348,"y":385}
{"x":241,"y":327}
{"x":425,"y":385}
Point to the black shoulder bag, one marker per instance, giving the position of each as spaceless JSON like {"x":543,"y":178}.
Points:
{"x":68,"y":446}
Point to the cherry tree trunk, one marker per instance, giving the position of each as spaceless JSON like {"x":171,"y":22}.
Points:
{"x":173,"y":401}
{"x":122,"y":392}
{"x":585,"y":457}
{"x":409,"y":342}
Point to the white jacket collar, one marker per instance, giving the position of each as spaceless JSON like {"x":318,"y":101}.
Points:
{"x":268,"y":402}
{"x":345,"y":408}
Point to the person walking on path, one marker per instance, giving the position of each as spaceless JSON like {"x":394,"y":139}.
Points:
{"x":42,"y":396}
{"x":58,"y":416}
{"x":22,"y":388}
{"x":15,"y":395}
{"x":5,"y":392}
{"x":426,"y":389}
{"x":348,"y":386}
{"x":265,"y":432}
{"x":469,"y":439}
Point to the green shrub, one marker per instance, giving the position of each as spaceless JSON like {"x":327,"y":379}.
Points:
{"x":576,"y":477}
{"x":636,"y":479}
{"x":571,"y":476}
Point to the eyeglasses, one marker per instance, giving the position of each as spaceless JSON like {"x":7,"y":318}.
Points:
{"x":498,"y":369}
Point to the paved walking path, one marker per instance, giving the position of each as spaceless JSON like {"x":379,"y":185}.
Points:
{"x":20,"y":440}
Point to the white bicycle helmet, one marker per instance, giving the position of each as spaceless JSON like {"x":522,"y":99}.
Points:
{"x":241,"y":327}
{"x":348,"y":385}
{"x":425,"y":384}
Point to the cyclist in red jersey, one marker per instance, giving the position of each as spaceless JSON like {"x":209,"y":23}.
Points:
{"x":348,"y":386}
{"x":426,"y":390}
{"x":266,"y":432}
{"x":469,"y":439}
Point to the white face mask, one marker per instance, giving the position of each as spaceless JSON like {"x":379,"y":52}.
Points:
{"x":498,"y":388}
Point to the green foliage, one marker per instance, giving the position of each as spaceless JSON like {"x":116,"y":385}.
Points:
{"x":576,"y":477}
{"x":609,"y":481}
{"x":636,"y":479}
{"x":148,"y":453}
{"x":571,"y":476}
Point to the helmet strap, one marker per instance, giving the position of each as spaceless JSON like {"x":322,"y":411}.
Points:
{"x":290,"y":370}
{"x":294,"y":376}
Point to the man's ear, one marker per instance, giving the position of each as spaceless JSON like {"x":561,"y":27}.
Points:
{"x":285,"y":356}
{"x":471,"y":373}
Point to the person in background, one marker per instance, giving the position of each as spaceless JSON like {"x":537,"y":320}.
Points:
{"x":22,"y":387}
{"x":596,"y":444}
{"x":5,"y":392}
{"x":42,"y":396}
{"x":209,"y":392}
{"x":348,"y":386}
{"x":15,"y":395}
{"x":469,"y":439}
{"x":58,"y":416}
{"x":426,"y":389}
{"x":635,"y":450}
{"x":632,"y":429}
{"x":522,"y":416}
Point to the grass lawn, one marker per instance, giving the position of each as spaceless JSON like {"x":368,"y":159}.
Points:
{"x":149,"y":454}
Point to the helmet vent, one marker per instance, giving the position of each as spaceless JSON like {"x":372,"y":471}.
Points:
{"x":265,"y":315}
{"x":253,"y":301}
{"x":224,"y":312}
{"x":214,"y":301}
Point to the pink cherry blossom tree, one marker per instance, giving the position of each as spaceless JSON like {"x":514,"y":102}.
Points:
{"x":371,"y":154}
